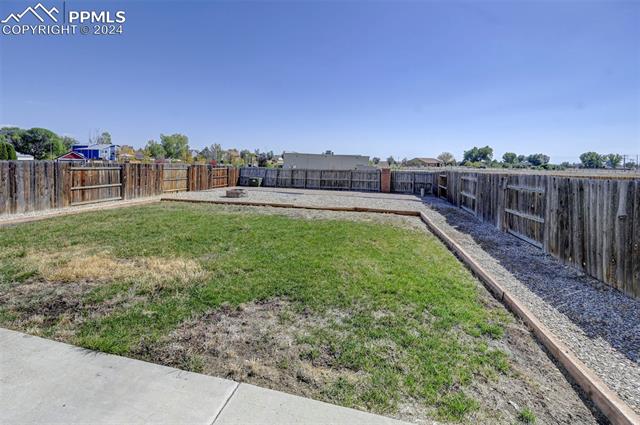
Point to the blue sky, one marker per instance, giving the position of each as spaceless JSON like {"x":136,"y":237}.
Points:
{"x":378,"y":78}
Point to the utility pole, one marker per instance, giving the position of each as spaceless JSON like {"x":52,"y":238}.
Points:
{"x":624,"y":161}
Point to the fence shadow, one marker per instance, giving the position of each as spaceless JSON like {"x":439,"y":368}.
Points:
{"x":597,"y":309}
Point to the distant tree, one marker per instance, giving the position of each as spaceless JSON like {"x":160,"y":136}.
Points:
{"x":375,"y":160}
{"x":565,"y":164}
{"x":328,"y":152}
{"x":262,"y":160}
{"x":105,"y":138}
{"x":390,"y":160}
{"x":476,"y":154}
{"x":126,"y":150}
{"x":13,"y":135}
{"x":207,"y":154}
{"x":176,"y":146}
{"x":41,"y":143}
{"x":447,"y":158}
{"x":614,"y":160}
{"x":592,"y":160}
{"x":538,"y":159}
{"x":631,"y":164}
{"x":510,"y":158}
{"x":155,"y":150}
{"x":522,"y":158}
{"x":7,"y":151}
{"x":67,"y":142}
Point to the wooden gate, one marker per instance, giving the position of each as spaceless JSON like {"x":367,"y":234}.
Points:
{"x":88,"y":185}
{"x":442,"y":186}
{"x":525,"y":208}
{"x":468,"y":193}
{"x":175,"y":178}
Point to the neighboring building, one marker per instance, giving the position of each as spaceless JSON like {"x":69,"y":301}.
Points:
{"x":104,"y":152}
{"x":71,"y":156}
{"x":382,"y":164}
{"x":425,"y":162}
{"x":24,"y":157}
{"x":325,"y":161}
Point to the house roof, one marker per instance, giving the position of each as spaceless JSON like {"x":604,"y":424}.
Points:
{"x":426,"y":159}
{"x":94,"y":146}
{"x":71,"y":156}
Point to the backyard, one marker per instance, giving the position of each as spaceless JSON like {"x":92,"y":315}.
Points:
{"x":362,"y":310}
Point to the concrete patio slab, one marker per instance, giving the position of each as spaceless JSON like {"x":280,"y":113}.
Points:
{"x":251,"y":405}
{"x":43,"y":381}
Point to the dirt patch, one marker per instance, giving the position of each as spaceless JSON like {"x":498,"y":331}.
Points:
{"x":258,"y":343}
{"x":264,"y":344}
{"x":68,"y":287}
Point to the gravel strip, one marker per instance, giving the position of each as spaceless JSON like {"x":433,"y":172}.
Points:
{"x":601,"y":325}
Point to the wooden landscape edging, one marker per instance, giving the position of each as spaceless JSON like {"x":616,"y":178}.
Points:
{"x":614,"y":408}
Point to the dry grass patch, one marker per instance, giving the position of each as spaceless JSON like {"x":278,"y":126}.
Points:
{"x":85,"y":264}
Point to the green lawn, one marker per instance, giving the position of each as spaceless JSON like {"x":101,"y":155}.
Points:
{"x":396,"y":315}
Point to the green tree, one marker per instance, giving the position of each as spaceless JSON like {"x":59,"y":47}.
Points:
{"x":103,"y":138}
{"x":176,"y":146}
{"x":538,"y":159}
{"x":510,"y":158}
{"x":155,"y":150}
{"x":4,"y":154}
{"x":592,"y":160}
{"x":391,"y":160}
{"x":13,"y":135}
{"x":67,"y":142}
{"x":614,"y":160}
{"x":375,"y":160}
{"x":447,"y":158}
{"x":476,"y":154}
{"x":41,"y":143}
{"x":11,"y":152}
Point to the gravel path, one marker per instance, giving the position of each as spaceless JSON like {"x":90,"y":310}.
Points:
{"x":600,"y":325}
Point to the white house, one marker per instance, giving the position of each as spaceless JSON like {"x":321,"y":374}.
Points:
{"x":324,"y":161}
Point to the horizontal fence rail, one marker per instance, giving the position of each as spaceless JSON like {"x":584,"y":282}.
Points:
{"x":358,"y":180}
{"x":591,"y":223}
{"x":27,"y":186}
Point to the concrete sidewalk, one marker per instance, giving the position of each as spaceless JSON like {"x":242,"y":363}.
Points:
{"x":43,"y":381}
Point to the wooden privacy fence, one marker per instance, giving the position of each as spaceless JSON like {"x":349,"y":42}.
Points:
{"x":27,"y":186}
{"x":358,"y":180}
{"x":591,"y":223}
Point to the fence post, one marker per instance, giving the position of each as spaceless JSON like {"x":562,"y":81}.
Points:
{"x":123,"y":181}
{"x":385,"y":180}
